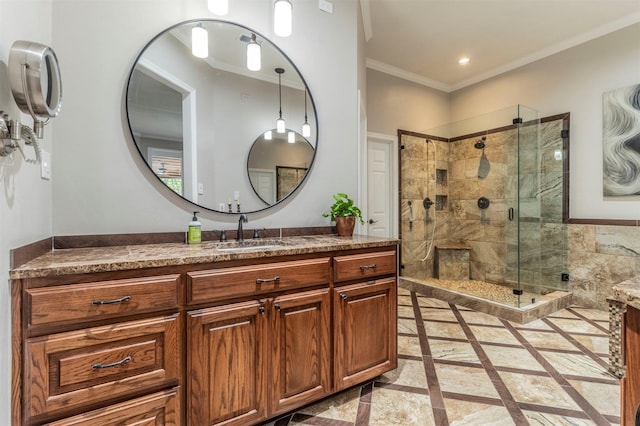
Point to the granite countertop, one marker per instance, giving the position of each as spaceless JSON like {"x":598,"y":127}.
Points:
{"x":117,"y":258}
{"x":628,"y":292}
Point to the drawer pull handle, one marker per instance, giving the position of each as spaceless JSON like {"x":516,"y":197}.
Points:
{"x":372,"y":266}
{"x":123,"y":361}
{"x":111,"y":302}
{"x":343,"y":296}
{"x":268,"y":280}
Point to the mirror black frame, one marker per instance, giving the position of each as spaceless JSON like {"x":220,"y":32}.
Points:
{"x":277,"y":49}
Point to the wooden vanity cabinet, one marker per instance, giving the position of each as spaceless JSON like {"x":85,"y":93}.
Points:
{"x":630,"y":384}
{"x":365,"y":317}
{"x":227,"y":343}
{"x":251,"y":360}
{"x":98,"y":344}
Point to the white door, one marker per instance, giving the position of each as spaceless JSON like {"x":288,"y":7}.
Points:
{"x":264,"y":183}
{"x":379,"y":188}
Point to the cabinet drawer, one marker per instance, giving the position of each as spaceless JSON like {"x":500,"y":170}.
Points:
{"x":158,"y":409}
{"x":366,"y":265}
{"x":225,"y":283}
{"x":69,"y":370}
{"x":100,"y":300}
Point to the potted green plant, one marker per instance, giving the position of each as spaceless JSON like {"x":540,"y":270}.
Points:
{"x":344,"y":213}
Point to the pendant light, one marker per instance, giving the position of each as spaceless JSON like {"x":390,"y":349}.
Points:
{"x":218,"y":7}
{"x":254,"y":56}
{"x":199,"y":41}
{"x":291,"y":137}
{"x":306,"y":128}
{"x":282,"y":18}
{"x":280,"y":127}
{"x":268,"y":135}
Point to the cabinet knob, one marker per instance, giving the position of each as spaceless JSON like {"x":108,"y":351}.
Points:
{"x":277,"y":307}
{"x":343,"y":296}
{"x":261,"y":310}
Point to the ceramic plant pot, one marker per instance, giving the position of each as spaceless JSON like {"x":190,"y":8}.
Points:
{"x":345,"y":225}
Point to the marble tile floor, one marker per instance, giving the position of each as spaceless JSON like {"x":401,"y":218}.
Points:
{"x":461,"y":367}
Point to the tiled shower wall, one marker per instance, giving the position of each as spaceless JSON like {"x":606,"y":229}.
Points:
{"x":490,"y":234}
{"x":596,"y":257}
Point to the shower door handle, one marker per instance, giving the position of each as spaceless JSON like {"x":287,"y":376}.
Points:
{"x":511,"y":213}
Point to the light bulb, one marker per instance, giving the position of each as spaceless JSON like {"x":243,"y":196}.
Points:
{"x":268,"y":135}
{"x":280,"y":125}
{"x":254,"y":60}
{"x":306,"y":130}
{"x":199,"y":42}
{"x":282,"y":18}
{"x":218,"y":7}
{"x":291,"y":137}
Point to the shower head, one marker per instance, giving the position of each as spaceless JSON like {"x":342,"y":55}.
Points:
{"x":480,"y":143}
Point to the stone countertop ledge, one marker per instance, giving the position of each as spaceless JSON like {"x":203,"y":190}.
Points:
{"x":628,"y":292}
{"x":118,"y":258}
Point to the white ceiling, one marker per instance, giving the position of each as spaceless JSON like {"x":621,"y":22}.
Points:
{"x":422,"y":40}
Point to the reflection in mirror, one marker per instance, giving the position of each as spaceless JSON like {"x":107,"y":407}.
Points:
{"x":194,"y":120}
{"x":276,"y":166}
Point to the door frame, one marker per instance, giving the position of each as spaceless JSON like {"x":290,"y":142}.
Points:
{"x":392,"y":141}
{"x":189,"y":134}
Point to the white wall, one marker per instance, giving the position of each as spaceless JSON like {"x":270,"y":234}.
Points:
{"x":570,"y":81}
{"x":394,"y":103}
{"x":100,"y":184}
{"x":25,"y":199}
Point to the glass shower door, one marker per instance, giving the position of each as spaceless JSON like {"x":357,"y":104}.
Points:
{"x":524,"y":213}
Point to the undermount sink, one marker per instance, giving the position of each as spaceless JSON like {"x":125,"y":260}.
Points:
{"x":248,"y":245}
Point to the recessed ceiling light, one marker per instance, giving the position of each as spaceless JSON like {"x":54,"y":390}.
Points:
{"x":463,"y":61}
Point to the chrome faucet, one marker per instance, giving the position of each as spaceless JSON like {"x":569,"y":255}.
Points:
{"x":242,"y":219}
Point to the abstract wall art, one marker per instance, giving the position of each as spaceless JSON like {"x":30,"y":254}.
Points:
{"x":621,"y":142}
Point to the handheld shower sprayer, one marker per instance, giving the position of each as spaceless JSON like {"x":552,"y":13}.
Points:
{"x":410,"y":216}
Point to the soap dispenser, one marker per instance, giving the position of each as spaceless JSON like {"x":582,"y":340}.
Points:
{"x":194,"y":234}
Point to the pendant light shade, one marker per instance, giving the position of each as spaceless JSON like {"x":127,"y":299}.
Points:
{"x":291,"y":137}
{"x":254,"y":55}
{"x":199,"y":42}
{"x":280,"y":126}
{"x":306,"y":128}
{"x":282,"y":13}
{"x":218,"y":7}
{"x":268,"y":135}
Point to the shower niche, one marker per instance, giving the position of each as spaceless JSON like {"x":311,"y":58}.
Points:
{"x":518,"y":240}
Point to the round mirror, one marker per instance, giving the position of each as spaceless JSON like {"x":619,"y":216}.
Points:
{"x":196,"y":98}
{"x":277,"y":164}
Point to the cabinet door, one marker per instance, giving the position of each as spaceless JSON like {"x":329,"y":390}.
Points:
{"x":300,"y":351}
{"x":630,"y":386}
{"x":225,"y":364}
{"x":365,"y":331}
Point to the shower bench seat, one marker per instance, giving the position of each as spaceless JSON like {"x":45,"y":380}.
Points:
{"x":452,"y":261}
